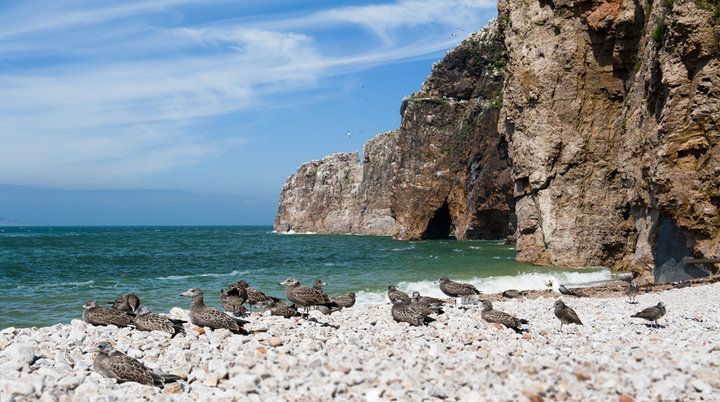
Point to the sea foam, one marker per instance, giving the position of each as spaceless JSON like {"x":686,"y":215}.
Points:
{"x":497,"y":284}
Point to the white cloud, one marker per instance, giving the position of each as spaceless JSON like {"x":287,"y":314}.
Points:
{"x":97,"y":93}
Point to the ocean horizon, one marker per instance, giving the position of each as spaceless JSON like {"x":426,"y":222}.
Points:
{"x":48,"y":272}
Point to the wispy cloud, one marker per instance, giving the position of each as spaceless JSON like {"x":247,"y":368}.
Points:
{"x":97,"y":93}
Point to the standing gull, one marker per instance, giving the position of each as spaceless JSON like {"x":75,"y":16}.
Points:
{"x":233,"y":299}
{"x":394,"y":295}
{"x":204,"y":316}
{"x":652,"y":314}
{"x":499,"y":317}
{"x":92,"y":314}
{"x":565,"y":314}
{"x":114,"y":364}
{"x":127,"y":303}
{"x":632,"y":291}
{"x":411,"y":313}
{"x":456,"y":289}
{"x":148,"y":321}
{"x":255,"y":296}
{"x":345,"y":301}
{"x":305,"y":297}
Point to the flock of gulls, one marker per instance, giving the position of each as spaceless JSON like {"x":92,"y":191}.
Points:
{"x":415,"y":309}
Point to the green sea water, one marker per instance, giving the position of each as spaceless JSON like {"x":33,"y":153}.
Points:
{"x":46,"y":273}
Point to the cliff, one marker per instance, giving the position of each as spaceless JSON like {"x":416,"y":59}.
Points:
{"x":611,"y":111}
{"x":340,"y":193}
{"x":589,"y":129}
{"x":431,"y":178}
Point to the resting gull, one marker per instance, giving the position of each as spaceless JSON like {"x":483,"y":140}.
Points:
{"x":394,"y":295}
{"x":305,"y":297}
{"x":95,"y":315}
{"x":148,"y":321}
{"x":127,"y":303}
{"x":114,"y":364}
{"x":499,"y":317}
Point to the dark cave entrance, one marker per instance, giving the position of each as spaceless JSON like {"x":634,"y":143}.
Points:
{"x":440,"y":225}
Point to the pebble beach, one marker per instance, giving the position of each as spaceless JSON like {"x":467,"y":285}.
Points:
{"x":362,"y":354}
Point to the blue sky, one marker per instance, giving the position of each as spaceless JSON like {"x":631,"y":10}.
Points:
{"x":195,"y":112}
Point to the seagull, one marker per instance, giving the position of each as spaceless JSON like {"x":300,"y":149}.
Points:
{"x":426,"y":305}
{"x":565,"y":314}
{"x":127,"y":303}
{"x":92,"y":314}
{"x":568,"y":292}
{"x":281,"y":309}
{"x":204,"y":316}
{"x":254,"y":296}
{"x":652,"y":314}
{"x":413,"y":314}
{"x":345,"y":301}
{"x":394,"y":294}
{"x":233,"y":299}
{"x":632,"y":291}
{"x":457,"y":289}
{"x":495,"y":316}
{"x":416,"y":297}
{"x":114,"y":364}
{"x":512,"y":293}
{"x":148,"y":321}
{"x":305,"y":297}
{"x":348,"y":134}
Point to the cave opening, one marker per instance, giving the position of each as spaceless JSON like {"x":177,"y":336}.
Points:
{"x":440,"y":226}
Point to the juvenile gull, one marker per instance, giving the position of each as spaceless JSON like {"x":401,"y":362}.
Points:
{"x":413,"y":314}
{"x":632,"y":291}
{"x":254,"y":296}
{"x":652,"y":314}
{"x":92,"y":314}
{"x":565,"y":314}
{"x":233,"y":299}
{"x":394,"y":295}
{"x":499,"y":317}
{"x":426,"y":306}
{"x":148,"y":321}
{"x":114,"y":364}
{"x":305,"y":297}
{"x":457,"y":289}
{"x":568,"y":292}
{"x":513,"y":293}
{"x":281,"y":309}
{"x":127,"y":303}
{"x":345,"y":301}
{"x":204,"y":316}
{"x":318,"y":284}
{"x":417,"y":297}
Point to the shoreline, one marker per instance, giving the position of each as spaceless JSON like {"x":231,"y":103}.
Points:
{"x":362,"y":354}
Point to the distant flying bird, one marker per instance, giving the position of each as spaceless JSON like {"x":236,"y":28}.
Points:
{"x":348,"y":134}
{"x":229,"y":182}
{"x":453,"y":34}
{"x":652,"y":314}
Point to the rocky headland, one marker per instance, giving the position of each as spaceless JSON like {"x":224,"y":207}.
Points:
{"x":587,"y":131}
{"x":362,"y":354}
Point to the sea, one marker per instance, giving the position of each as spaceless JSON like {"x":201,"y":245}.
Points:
{"x":47,"y":273}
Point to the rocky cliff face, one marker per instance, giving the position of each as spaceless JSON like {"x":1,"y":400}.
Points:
{"x":611,"y":113}
{"x":445,"y":171}
{"x":340,"y":193}
{"x":592,"y":125}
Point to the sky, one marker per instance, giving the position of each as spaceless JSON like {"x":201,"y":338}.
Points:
{"x":196,"y":112}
